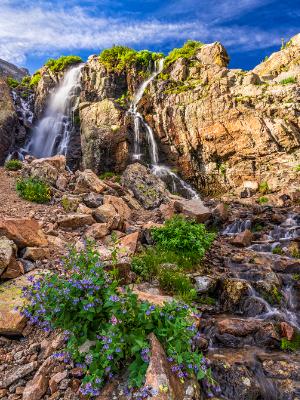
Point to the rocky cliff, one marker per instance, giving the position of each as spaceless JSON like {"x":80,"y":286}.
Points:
{"x":10,"y":70}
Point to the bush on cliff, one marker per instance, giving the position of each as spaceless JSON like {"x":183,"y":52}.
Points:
{"x":35,"y":79}
{"x":62,"y":63}
{"x":12,"y":83}
{"x":33,"y":189}
{"x":112,"y":325}
{"x":188,"y":50}
{"x":118,"y":58}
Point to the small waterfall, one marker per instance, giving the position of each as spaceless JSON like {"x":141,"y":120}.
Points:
{"x":176,"y":183}
{"x":52,"y":133}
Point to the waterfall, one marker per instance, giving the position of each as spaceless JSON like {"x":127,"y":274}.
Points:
{"x":52,"y":133}
{"x":164,"y":172}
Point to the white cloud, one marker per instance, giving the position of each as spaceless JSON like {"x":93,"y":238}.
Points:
{"x":42,"y":29}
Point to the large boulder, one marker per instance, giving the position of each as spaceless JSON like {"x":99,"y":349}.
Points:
{"x":7,"y":253}
{"x":24,"y":232}
{"x":75,"y":221}
{"x":119,"y":205}
{"x":194,"y":209}
{"x":46,"y":169}
{"x":87,"y":181}
{"x":147,"y":188}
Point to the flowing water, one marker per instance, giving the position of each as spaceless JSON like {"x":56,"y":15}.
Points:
{"x":52,"y":134}
{"x":175,"y":183}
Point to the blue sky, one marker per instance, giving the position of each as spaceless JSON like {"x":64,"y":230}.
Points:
{"x":31,"y":31}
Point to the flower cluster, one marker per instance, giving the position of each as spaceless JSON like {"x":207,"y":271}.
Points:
{"x":106,"y":329}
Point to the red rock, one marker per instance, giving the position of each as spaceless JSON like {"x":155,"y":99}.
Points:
{"x":56,"y":379}
{"x":243,"y":239}
{"x":13,"y":270}
{"x":75,"y":221}
{"x":237,"y":327}
{"x":287,"y":330}
{"x":24,"y":232}
{"x":193,"y":208}
{"x":97,"y":231}
{"x":119,"y":205}
{"x":129,"y":243}
{"x":36,"y":388}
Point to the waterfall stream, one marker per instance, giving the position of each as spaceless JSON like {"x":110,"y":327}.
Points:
{"x":53,"y":132}
{"x":164,"y":172}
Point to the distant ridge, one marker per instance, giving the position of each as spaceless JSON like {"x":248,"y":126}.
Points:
{"x":10,"y":70}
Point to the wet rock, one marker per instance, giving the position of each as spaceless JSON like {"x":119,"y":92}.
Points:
{"x":93,"y":200}
{"x":254,"y":306}
{"x":147,"y":188}
{"x":193,"y":208}
{"x":204,"y":284}
{"x":87,"y":181}
{"x":243,"y":239}
{"x":233,"y":293}
{"x":287,"y":330}
{"x":221,"y":212}
{"x":75,"y":221}
{"x":238,"y":327}
{"x":23,"y":231}
{"x":97,"y":231}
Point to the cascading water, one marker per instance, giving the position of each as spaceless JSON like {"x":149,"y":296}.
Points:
{"x":177,"y":184}
{"x":53,"y":132}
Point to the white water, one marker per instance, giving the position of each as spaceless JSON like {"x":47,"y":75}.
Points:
{"x":52,"y":134}
{"x":160,"y":170}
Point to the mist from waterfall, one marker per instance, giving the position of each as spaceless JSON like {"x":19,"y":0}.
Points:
{"x":52,"y":134}
{"x":164,"y":172}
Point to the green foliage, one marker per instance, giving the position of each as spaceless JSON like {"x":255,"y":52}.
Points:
{"x":26,"y":80}
{"x":291,"y":345}
{"x":297,"y":169}
{"x":123,"y":100}
{"x":184,"y":237}
{"x":85,"y":303}
{"x":263,"y":188}
{"x":110,"y":176}
{"x":33,"y":189}
{"x":177,"y":87}
{"x":62,"y":63}
{"x":12,"y":83}
{"x":263,"y":200}
{"x":119,"y":58}
{"x":288,"y":81}
{"x":188,"y":50}
{"x":36,"y":77}
{"x":13,"y":165}
{"x":179,"y":246}
{"x":277,"y":250}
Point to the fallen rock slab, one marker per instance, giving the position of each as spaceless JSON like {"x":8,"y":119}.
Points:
{"x":193,"y":208}
{"x":24,"y":232}
{"x":243,"y":239}
{"x":87,"y":181}
{"x":75,"y":221}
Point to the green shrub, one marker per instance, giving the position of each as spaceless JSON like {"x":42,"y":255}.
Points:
{"x":263,"y":188}
{"x":291,"y":345}
{"x":85,"y":303}
{"x":123,"y":100}
{"x":62,"y":62}
{"x":106,"y":176}
{"x":13,"y":165}
{"x":12,"y":83}
{"x":174,"y":281}
{"x":297,"y":169}
{"x":36,"y":77}
{"x":277,"y":250}
{"x":263,"y":200}
{"x":184,"y":237}
{"x":119,"y":58}
{"x":288,"y":81}
{"x":26,"y":80}
{"x":188,"y":50}
{"x":33,"y":189}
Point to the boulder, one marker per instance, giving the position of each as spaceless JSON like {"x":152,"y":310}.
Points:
{"x":7,"y":253}
{"x":193,"y":208}
{"x":46,"y":169}
{"x":148,"y":189}
{"x":205,"y":284}
{"x":75,"y":221}
{"x":14,"y":270}
{"x":87,"y":181}
{"x":93,"y":200}
{"x":234,"y":291}
{"x":24,"y":232}
{"x":243,"y":239}
{"x":36,"y":388}
{"x":163,"y":381}
{"x":287,"y":330}
{"x":36,"y":253}
{"x":97,"y":231}
{"x":129,"y":243}
{"x":11,"y":321}
{"x":107,"y":214}
{"x":119,"y":205}
{"x":238,"y":326}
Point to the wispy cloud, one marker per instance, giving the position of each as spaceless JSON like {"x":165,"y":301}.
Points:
{"x":36,"y":28}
